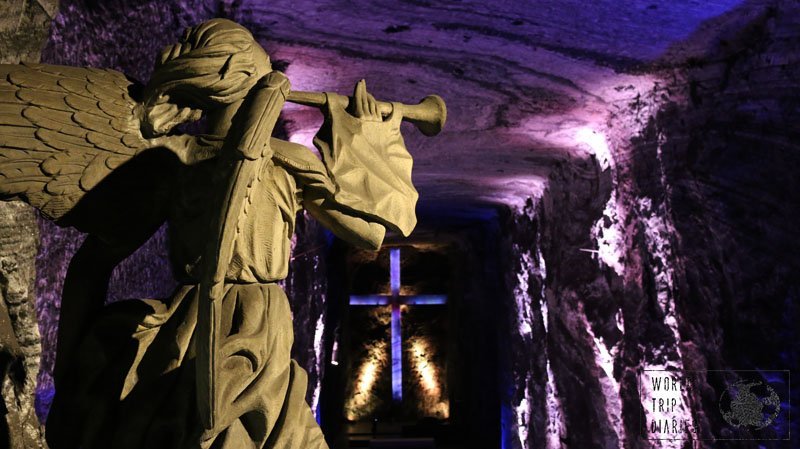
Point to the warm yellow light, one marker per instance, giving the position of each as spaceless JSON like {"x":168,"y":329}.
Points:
{"x":426,"y":370}
{"x":432,"y":403}
{"x":359,"y":404}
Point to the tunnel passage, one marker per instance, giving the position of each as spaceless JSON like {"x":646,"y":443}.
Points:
{"x":450,"y":362}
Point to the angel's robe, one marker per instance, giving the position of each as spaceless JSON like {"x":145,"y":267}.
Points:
{"x":133,"y":385}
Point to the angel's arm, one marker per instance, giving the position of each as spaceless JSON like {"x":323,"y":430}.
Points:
{"x":83,"y":296}
{"x":86,"y":283}
{"x":346,"y":226}
{"x":367,"y":163}
{"x":317,"y":195}
{"x":349,"y":220}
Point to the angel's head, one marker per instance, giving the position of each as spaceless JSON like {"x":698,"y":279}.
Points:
{"x":215,"y":64}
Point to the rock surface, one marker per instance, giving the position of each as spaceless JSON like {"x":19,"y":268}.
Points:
{"x":20,"y":345}
{"x":24,"y":28}
{"x":674,"y":251}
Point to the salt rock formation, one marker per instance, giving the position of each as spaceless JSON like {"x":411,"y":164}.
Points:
{"x":23,"y":31}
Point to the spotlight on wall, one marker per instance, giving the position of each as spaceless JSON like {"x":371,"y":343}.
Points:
{"x":597,"y":145}
{"x":362,"y":401}
{"x":335,"y":352}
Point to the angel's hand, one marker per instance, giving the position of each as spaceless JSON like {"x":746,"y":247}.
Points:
{"x":276,"y":79}
{"x":363,"y":105}
{"x":260,"y":113}
{"x":189,"y":149}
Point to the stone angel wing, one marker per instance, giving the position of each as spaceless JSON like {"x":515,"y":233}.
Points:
{"x":63,"y":130}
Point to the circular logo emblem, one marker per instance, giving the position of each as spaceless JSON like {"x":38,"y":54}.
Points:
{"x":750,"y":404}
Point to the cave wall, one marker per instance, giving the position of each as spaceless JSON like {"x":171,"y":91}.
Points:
{"x":689,"y":263}
{"x":307,"y":289}
{"x":20,"y":341}
{"x":560,"y":393}
{"x":23,"y":31}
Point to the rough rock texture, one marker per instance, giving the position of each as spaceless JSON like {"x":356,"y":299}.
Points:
{"x":560,"y":393}
{"x":522,"y":81}
{"x":23,"y":30}
{"x":307,"y":286}
{"x":20,"y":345}
{"x":695,"y":245}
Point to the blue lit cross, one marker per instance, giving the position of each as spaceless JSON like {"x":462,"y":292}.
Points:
{"x":395,"y":299}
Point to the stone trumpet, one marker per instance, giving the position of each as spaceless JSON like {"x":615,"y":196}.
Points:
{"x":429,"y":115}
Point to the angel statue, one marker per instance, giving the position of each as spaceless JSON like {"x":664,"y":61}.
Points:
{"x":209,"y":367}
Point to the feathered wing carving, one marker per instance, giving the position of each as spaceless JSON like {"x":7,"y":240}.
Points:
{"x":62,"y":131}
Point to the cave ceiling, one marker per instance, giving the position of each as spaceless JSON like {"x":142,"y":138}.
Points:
{"x":528,"y":85}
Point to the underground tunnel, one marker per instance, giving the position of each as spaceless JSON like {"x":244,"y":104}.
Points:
{"x":613,"y":201}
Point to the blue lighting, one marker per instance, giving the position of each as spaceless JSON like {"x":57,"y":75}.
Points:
{"x":396,"y":300}
{"x":394,"y":270}
{"x":397,"y":354}
{"x":369,"y":300}
{"x":397,"y":328}
{"x":426,"y":300}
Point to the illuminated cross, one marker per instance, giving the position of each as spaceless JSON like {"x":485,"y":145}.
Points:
{"x":395,"y":299}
